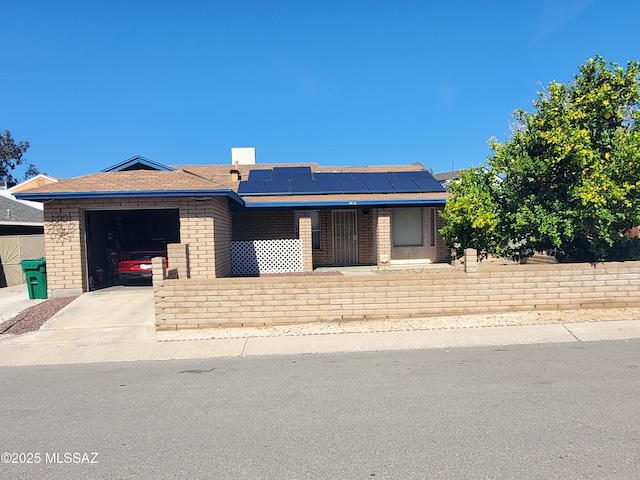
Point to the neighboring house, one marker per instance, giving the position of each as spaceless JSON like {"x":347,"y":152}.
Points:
{"x":21,"y":236}
{"x":241,"y":218}
{"x":19,"y":217}
{"x":39,"y":180}
{"x":446,"y":178}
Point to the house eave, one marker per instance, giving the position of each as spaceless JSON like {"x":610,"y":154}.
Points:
{"x":348,"y":203}
{"x":18,"y":223}
{"x":48,"y":196}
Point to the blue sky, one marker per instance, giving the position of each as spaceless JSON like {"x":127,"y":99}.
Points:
{"x":90,"y":84}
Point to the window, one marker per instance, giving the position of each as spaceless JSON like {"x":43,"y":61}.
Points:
{"x":315,"y":228}
{"x":407,"y":227}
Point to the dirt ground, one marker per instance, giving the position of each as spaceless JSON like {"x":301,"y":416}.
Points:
{"x":432,"y":323}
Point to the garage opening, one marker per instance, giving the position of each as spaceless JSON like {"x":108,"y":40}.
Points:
{"x":124,"y":231}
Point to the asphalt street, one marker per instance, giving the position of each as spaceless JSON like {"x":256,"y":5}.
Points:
{"x":566,"y":410}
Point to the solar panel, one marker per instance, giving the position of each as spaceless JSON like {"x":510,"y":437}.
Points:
{"x":327,"y":183}
{"x":283,"y":172}
{"x":260,"y":175}
{"x":301,"y":180}
{"x":279,"y":185}
{"x":352,"y":185}
{"x":302,"y":185}
{"x":301,"y":172}
{"x":248,"y":187}
{"x":377,"y":182}
{"x":428,"y":184}
{"x":404,"y":184}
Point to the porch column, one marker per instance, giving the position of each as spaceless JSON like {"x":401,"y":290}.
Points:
{"x":383,"y":236}
{"x":304,"y":227}
{"x":178,"y":254}
{"x":64,"y":231}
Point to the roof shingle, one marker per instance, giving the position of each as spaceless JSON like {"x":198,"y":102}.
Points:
{"x":13,"y":211}
{"x":131,"y":180}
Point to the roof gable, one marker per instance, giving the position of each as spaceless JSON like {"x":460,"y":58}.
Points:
{"x":36,"y":181}
{"x":139,"y":163}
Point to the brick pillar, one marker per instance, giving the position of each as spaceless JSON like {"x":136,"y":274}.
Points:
{"x":158,"y":277}
{"x":159,"y":271}
{"x":304,"y":227}
{"x":63,"y":240}
{"x":383,"y":236}
{"x":471,"y":260}
{"x":178,"y":255}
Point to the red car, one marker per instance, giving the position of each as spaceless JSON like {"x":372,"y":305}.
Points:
{"x":137,"y":264}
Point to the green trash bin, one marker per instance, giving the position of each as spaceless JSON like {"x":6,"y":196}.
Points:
{"x":35,"y":272}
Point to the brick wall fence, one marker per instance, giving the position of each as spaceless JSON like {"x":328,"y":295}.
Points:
{"x":214,"y":302}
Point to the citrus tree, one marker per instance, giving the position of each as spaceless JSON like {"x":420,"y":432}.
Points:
{"x":471,"y":213}
{"x":570,"y":173}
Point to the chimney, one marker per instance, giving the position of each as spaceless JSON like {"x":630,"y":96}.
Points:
{"x":243,"y":156}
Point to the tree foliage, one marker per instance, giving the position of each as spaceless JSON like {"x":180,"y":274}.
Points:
{"x":11,"y":155}
{"x":570,"y":170}
{"x":472,"y":212}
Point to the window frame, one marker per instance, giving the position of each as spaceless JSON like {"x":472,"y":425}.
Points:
{"x":395,"y":219}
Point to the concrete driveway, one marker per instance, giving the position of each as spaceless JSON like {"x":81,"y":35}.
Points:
{"x":109,"y":316}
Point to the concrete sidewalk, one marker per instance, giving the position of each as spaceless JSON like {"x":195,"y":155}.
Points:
{"x":23,"y":350}
{"x":117,"y":325}
{"x":14,"y":300}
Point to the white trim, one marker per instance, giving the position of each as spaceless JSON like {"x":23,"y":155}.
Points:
{"x":419,"y":261}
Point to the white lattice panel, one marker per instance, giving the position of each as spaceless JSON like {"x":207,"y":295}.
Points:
{"x":266,"y":256}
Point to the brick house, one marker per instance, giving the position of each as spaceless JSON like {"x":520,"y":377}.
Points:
{"x":241,"y":219}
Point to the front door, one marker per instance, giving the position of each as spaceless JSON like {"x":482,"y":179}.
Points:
{"x":345,"y":237}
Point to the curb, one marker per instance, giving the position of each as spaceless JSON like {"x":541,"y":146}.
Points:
{"x":16,"y":353}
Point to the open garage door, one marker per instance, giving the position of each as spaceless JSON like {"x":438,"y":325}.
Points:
{"x":123,"y":231}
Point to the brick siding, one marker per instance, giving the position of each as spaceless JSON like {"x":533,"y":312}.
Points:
{"x":263,"y":226}
{"x":324,"y":256}
{"x":443,"y":253}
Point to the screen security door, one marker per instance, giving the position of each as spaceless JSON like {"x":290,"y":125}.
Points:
{"x":345,"y":237}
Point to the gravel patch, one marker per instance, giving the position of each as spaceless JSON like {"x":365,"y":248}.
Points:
{"x":34,"y":317}
{"x":431,"y":323}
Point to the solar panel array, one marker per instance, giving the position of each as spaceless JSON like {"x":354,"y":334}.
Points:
{"x":302,"y":181}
